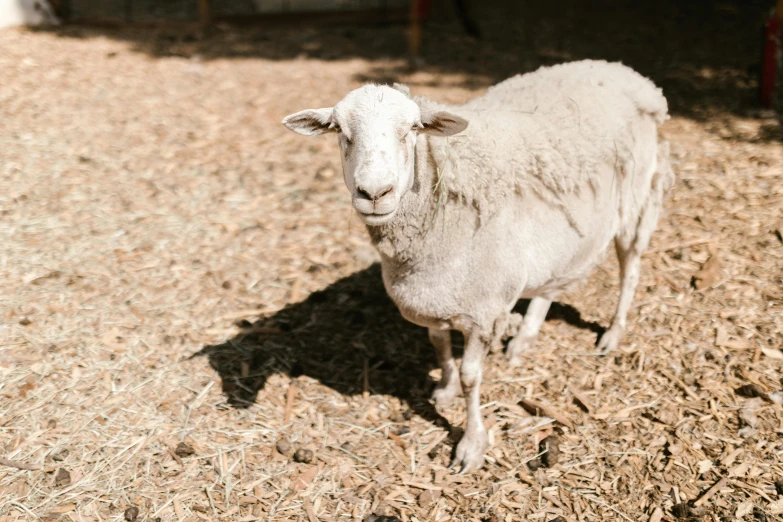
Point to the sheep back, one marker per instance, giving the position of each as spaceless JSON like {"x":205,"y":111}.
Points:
{"x":553,"y":133}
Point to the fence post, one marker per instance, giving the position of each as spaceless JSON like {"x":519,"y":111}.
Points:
{"x":769,"y":57}
{"x":205,"y":13}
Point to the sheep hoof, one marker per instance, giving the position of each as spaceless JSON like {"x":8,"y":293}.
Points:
{"x":443,"y":397}
{"x":610,"y":340}
{"x":469,"y":456}
{"x":495,"y":347}
{"x":518,"y":348}
{"x":515,"y":362}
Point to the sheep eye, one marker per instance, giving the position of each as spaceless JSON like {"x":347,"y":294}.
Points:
{"x":339,"y":130}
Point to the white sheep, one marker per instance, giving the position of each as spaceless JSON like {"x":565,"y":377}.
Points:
{"x":554,"y":166}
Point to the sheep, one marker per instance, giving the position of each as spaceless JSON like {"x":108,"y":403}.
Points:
{"x":521,"y":203}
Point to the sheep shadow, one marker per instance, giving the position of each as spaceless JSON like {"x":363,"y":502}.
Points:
{"x":334,"y":336}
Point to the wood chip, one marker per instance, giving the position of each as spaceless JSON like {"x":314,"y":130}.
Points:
{"x":305,"y":478}
{"x":537,"y":408}
{"x":710,"y":492}
{"x":173,"y":259}
{"x":19,"y":465}
{"x":709,"y":273}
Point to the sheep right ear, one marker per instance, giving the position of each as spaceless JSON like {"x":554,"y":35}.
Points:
{"x":310,"y":122}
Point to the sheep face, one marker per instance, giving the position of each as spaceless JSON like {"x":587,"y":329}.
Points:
{"x":377,"y":128}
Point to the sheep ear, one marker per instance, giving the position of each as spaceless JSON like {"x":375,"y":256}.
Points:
{"x":310,"y":122}
{"x":442,"y":123}
{"x":402,"y":88}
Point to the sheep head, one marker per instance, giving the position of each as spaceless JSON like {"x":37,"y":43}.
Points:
{"x":377,"y":127}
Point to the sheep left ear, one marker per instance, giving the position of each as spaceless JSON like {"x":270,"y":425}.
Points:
{"x":310,"y":122}
{"x":401,"y":87}
{"x":442,"y":123}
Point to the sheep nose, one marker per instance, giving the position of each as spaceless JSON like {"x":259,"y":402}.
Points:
{"x":374,"y":194}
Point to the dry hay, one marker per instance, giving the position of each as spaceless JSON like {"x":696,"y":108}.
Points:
{"x":185,"y":291}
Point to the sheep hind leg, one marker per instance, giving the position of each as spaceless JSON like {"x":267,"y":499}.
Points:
{"x":630,"y":267}
{"x":449,"y":386}
{"x":630,"y":245}
{"x":525,"y":340}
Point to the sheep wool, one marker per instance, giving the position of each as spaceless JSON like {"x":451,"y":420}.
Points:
{"x":558,"y":129}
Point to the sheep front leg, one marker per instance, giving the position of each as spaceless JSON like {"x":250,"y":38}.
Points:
{"x":469,"y":455}
{"x":448,"y":388}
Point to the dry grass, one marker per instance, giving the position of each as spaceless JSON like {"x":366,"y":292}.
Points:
{"x":177,"y":268}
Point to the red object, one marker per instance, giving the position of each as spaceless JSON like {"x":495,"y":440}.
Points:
{"x":769,"y":61}
{"x":425,"y":8}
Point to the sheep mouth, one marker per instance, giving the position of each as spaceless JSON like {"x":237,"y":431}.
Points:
{"x":376,"y":218}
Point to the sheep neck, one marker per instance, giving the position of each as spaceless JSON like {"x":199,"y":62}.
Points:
{"x":415,"y":231}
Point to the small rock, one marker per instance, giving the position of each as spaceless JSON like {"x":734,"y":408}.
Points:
{"x":226,"y":285}
{"x":550,"y":450}
{"x":24,"y":321}
{"x":428,"y":498}
{"x":132,"y":513}
{"x":304,"y":456}
{"x":283,"y":447}
{"x":535,"y":464}
{"x":184,"y":450}
{"x":62,"y":478}
{"x":681,"y":510}
{"x":751,"y":391}
{"x":51,"y":424}
{"x":403,"y":430}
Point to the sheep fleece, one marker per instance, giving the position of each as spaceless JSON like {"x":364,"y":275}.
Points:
{"x":553,"y":165}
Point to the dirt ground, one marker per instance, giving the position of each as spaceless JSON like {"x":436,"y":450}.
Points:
{"x":187,"y":300}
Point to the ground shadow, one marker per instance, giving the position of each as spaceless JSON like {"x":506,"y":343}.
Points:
{"x":703,"y":53}
{"x":332,"y":335}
